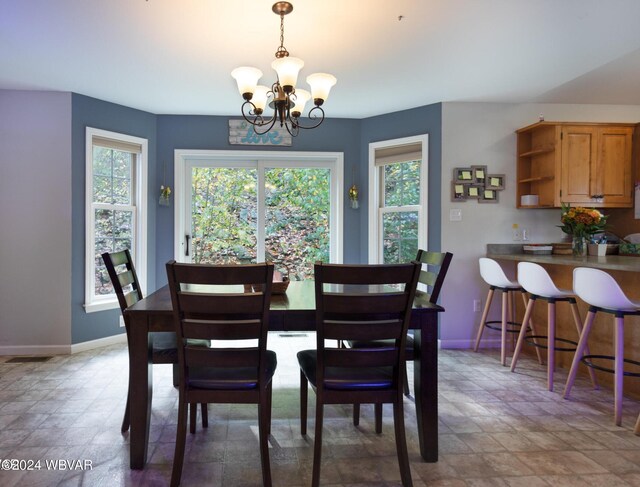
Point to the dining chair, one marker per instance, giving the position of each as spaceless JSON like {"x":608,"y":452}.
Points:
{"x":357,"y":302}
{"x":227,"y":304}
{"x":164,"y":346}
{"x":434,"y":269}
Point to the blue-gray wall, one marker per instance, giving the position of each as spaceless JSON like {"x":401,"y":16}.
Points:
{"x":90,"y":112}
{"x":406,"y":123}
{"x":166,"y":133}
{"x":209,"y":132}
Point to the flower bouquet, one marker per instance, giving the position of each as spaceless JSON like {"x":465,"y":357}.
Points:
{"x":581,"y":223}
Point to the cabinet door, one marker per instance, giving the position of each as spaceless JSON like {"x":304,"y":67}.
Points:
{"x":613,"y":181}
{"x":579,"y":149}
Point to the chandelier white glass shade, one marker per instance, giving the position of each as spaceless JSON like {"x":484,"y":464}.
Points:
{"x":283,"y":97}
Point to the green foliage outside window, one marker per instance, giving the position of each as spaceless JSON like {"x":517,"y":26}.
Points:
{"x":112,"y":186}
{"x":224,"y":217}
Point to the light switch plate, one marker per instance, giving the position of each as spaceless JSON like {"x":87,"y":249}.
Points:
{"x":455,"y":215}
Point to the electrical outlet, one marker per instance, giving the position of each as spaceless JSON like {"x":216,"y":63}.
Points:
{"x":516,"y":233}
{"x":455,"y":215}
{"x":121,"y":321}
{"x":476,"y":305}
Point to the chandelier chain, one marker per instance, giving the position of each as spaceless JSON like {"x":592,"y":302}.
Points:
{"x":282,"y":51}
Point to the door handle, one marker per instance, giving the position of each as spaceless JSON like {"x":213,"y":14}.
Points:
{"x":186,"y":244}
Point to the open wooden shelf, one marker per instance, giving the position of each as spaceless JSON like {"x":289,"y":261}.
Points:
{"x":536,"y":179}
{"x":537,"y":152}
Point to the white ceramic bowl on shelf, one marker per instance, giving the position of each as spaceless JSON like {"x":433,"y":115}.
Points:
{"x":529,"y":200}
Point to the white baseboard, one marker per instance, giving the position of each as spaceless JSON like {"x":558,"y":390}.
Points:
{"x":469,"y":344}
{"x":62,"y":349}
{"x":35,"y":350}
{"x":100,"y":342}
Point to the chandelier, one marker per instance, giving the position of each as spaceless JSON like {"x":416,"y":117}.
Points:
{"x":286,"y":101}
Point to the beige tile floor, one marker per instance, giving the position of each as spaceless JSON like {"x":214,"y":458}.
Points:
{"x":496,"y":429}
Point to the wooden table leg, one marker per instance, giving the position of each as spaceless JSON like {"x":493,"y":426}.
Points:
{"x":425,"y":371}
{"x":141,"y":383}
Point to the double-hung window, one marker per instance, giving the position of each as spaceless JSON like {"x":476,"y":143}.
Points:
{"x":116,"y":180}
{"x":398,"y":199}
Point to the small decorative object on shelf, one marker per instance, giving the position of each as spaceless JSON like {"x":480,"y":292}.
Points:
{"x":581,"y":223}
{"x":165,"y":195}
{"x":353,"y":197}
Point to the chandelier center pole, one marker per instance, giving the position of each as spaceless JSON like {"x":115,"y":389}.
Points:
{"x":282,"y":9}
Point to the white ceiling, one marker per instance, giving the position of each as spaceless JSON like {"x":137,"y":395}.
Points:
{"x":175,"y":56}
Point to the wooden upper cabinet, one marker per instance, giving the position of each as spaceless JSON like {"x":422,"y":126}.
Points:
{"x":597,"y":165}
{"x":579,"y":150}
{"x":589,"y":164}
{"x":615,"y":166}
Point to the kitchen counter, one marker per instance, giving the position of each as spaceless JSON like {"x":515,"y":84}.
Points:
{"x":514,"y":252}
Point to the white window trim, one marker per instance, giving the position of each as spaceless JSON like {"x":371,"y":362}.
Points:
{"x":94,"y":303}
{"x":184,"y":158}
{"x":375,"y":213}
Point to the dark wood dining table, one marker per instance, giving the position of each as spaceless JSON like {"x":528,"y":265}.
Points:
{"x":293,"y":311}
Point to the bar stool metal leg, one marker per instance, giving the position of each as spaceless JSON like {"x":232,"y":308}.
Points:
{"x":619,"y":368}
{"x":503,"y":335}
{"x":551,"y":349}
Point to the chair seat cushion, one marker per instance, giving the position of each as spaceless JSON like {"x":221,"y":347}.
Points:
{"x":408,"y":353}
{"x":345,"y":378}
{"x":227,"y":378}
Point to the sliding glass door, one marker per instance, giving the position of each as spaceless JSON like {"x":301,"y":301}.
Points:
{"x":284,"y":210}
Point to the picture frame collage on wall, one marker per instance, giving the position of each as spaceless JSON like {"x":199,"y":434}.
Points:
{"x":475,"y":183}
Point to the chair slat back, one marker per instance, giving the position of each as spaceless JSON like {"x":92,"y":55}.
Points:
{"x":223,"y":358}
{"x":217,"y":302}
{"x":437,"y":267}
{"x":355,"y":302}
{"x":366,"y":357}
{"x":354,"y":330}
{"x":377,"y":302}
{"x":194,"y":303}
{"x":123,"y":274}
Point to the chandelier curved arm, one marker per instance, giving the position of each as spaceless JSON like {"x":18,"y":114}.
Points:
{"x":256,"y":119}
{"x":294,"y":129}
{"x":313,"y":115}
